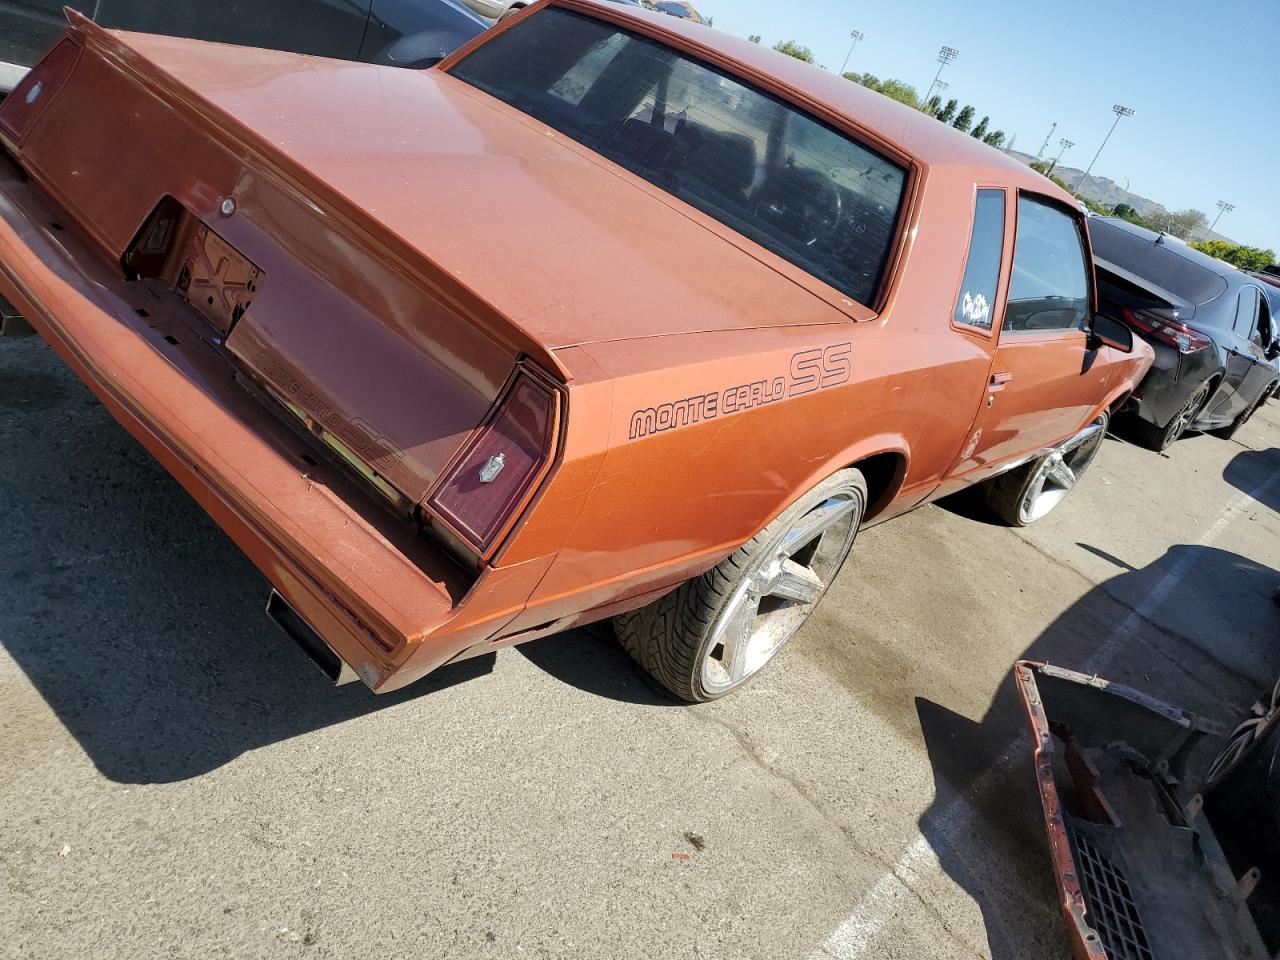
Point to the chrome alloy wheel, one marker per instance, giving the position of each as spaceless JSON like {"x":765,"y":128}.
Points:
{"x":1060,"y":470}
{"x":1262,"y":718}
{"x":780,"y":590}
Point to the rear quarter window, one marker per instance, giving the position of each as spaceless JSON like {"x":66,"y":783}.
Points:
{"x":803,"y":190}
{"x":975,"y":306}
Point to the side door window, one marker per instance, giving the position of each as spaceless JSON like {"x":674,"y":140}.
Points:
{"x":1049,"y":287}
{"x":1262,"y":329}
{"x":975,"y":306}
{"x":1246,"y":313}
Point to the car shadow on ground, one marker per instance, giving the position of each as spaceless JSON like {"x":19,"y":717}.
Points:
{"x":593,"y":661}
{"x":1196,"y":629}
{"x":1253,"y":472}
{"x":135,"y":618}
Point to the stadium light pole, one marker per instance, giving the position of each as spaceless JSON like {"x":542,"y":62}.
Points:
{"x":1066,"y":145}
{"x":945,"y":56}
{"x":857,"y":36}
{"x":1223,"y":207}
{"x":1121,"y":113}
{"x":1047,"y":137}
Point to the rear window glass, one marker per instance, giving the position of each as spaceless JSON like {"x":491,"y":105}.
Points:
{"x":1164,"y":266}
{"x":753,"y":162}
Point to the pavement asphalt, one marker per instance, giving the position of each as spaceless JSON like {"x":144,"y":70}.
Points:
{"x":176,"y":780}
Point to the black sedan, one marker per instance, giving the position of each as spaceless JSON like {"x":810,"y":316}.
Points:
{"x":403,"y":33}
{"x":1211,"y":326}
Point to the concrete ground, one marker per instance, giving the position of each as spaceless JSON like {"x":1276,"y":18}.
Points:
{"x":177,"y":781}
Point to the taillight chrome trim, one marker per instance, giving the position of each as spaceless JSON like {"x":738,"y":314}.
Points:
{"x":438,"y":515}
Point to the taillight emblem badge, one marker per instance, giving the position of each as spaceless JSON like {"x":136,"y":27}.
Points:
{"x":492,"y":467}
{"x":34,"y":93}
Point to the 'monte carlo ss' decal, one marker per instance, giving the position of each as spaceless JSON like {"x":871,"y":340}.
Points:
{"x":810,"y":370}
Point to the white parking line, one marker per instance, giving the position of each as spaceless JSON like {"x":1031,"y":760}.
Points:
{"x":892,"y":893}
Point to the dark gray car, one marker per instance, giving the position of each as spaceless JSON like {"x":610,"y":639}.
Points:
{"x":1213,"y":329}
{"x":404,"y":33}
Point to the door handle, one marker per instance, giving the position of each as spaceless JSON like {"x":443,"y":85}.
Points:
{"x":998,"y":380}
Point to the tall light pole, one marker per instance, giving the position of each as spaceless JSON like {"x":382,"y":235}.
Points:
{"x":1047,"y":137}
{"x":1121,"y":113}
{"x":856,"y":37}
{"x":945,"y":56}
{"x":1223,"y":207}
{"x":1066,"y":145}
{"x":941,"y":87}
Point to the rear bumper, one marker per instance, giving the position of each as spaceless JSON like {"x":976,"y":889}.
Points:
{"x":1171,"y":381}
{"x":388,"y":603}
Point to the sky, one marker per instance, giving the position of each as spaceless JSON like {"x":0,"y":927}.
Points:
{"x":1203,"y":78}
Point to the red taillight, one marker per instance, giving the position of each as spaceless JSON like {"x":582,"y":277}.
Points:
{"x":502,"y":464}
{"x":1167,"y":329}
{"x":33,"y":93}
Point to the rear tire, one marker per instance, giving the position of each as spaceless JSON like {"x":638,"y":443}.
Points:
{"x":712,"y":634}
{"x":1228,"y":433}
{"x":1161,"y":439}
{"x":1022,"y":496}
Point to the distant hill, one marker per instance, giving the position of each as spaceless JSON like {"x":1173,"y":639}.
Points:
{"x":1106,"y":192}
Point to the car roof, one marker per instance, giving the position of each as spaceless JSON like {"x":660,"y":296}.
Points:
{"x":927,"y":140}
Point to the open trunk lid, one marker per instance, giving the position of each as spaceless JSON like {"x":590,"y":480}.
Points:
{"x":377,"y":350}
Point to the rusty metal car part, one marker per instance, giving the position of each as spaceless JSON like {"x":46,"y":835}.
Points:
{"x":1139,"y":870}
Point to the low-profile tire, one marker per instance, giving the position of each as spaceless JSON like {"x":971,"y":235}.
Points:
{"x":712,"y":634}
{"x":1160,"y":439}
{"x":1024,"y":495}
{"x":1227,"y":433}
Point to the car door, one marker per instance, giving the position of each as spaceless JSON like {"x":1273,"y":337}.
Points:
{"x":324,"y":28}
{"x":1240,"y":359}
{"x":1044,"y":379}
{"x":1262,"y":370}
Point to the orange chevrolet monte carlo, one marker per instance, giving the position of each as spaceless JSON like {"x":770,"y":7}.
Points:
{"x":605,"y":316}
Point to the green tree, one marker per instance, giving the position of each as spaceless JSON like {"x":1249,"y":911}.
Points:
{"x":934,"y":106}
{"x":754,"y":38}
{"x":980,"y":130}
{"x":1186,"y":223}
{"x":1124,"y":210}
{"x":900,"y":91}
{"x":964,"y":121}
{"x":866,"y":79}
{"x":793,"y":49}
{"x":893,"y":89}
{"x":1238,"y":255}
{"x":948,"y":113}
{"x":995,"y":138}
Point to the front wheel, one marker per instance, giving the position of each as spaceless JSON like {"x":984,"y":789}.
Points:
{"x":1024,"y":495}
{"x":714,"y":633}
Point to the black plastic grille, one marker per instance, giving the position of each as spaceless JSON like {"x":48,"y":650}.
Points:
{"x":1112,"y":912}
